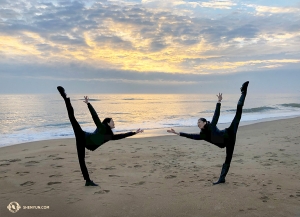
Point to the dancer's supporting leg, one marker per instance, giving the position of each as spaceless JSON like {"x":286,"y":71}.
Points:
{"x":232,"y":130}
{"x":80,"y":138}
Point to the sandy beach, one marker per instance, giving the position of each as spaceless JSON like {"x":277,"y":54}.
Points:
{"x":165,"y":176}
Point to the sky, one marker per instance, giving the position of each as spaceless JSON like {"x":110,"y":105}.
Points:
{"x":149,"y":46}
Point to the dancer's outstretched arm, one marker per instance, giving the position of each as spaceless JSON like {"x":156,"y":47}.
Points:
{"x":200,"y":136}
{"x":94,"y":114}
{"x":217,"y":111}
{"x":124,"y":135}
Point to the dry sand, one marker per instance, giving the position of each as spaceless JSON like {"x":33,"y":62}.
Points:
{"x":158,"y":176}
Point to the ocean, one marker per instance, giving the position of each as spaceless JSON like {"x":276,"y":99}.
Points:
{"x":27,"y":118}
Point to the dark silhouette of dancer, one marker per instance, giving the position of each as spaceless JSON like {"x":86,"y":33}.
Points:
{"x":91,"y":141}
{"x":221,"y":138}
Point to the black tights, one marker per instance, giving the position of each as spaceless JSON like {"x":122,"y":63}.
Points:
{"x":80,"y":139}
{"x":232,"y":130}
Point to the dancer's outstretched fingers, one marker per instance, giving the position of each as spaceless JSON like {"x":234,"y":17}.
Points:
{"x":139,"y":130}
{"x":171,"y":131}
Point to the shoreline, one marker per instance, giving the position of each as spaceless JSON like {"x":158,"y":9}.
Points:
{"x":150,"y":133}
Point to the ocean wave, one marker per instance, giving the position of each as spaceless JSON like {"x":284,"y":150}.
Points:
{"x":132,"y":99}
{"x":210,"y":111}
{"x":59,"y":125}
{"x":293,"y":105}
{"x":256,"y":109}
{"x":93,"y":100}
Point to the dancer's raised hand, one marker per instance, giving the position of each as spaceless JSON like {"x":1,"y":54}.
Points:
{"x":220,"y":97}
{"x":86,"y":99}
{"x":172,"y":131}
{"x":139,"y":131}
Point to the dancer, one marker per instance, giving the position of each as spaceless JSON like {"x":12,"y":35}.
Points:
{"x":94,"y":140}
{"x":221,"y":138}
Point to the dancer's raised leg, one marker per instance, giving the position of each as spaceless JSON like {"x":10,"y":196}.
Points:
{"x":76,"y":127}
{"x":80,"y":138}
{"x":238,"y":115}
{"x":232,"y":130}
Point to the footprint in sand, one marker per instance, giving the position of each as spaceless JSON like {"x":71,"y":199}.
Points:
{"x":22,"y":173}
{"x":14,"y":160}
{"x":239,"y":161}
{"x":55,"y":176}
{"x":30,"y":157}
{"x":28,"y":183}
{"x":139,"y":183}
{"x":53,"y":183}
{"x":102,"y":192}
{"x":108,"y":168}
{"x":114,"y":176}
{"x":55,"y":166}
{"x":266,"y":164}
{"x":5,"y":164}
{"x":62,"y":145}
{"x":58,"y":158}
{"x":53,"y":155}
{"x":137,"y":166}
{"x":170,"y":177}
{"x":45,"y":146}
{"x":264,"y":198}
{"x":73,"y":200}
{"x":31,"y":163}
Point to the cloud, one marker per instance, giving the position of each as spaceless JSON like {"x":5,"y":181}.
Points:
{"x":217,"y":4}
{"x":166,"y":3}
{"x":131,"y":36}
{"x":226,"y":4}
{"x":274,"y":10}
{"x":8,"y":13}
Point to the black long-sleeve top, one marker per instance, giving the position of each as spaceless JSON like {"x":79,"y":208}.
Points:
{"x":211,"y":133}
{"x":101,"y":135}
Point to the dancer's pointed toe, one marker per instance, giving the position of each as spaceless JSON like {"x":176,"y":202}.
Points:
{"x":219,"y":182}
{"x":90,"y":183}
{"x":224,"y":171}
{"x":244,"y":87}
{"x":62,"y":92}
